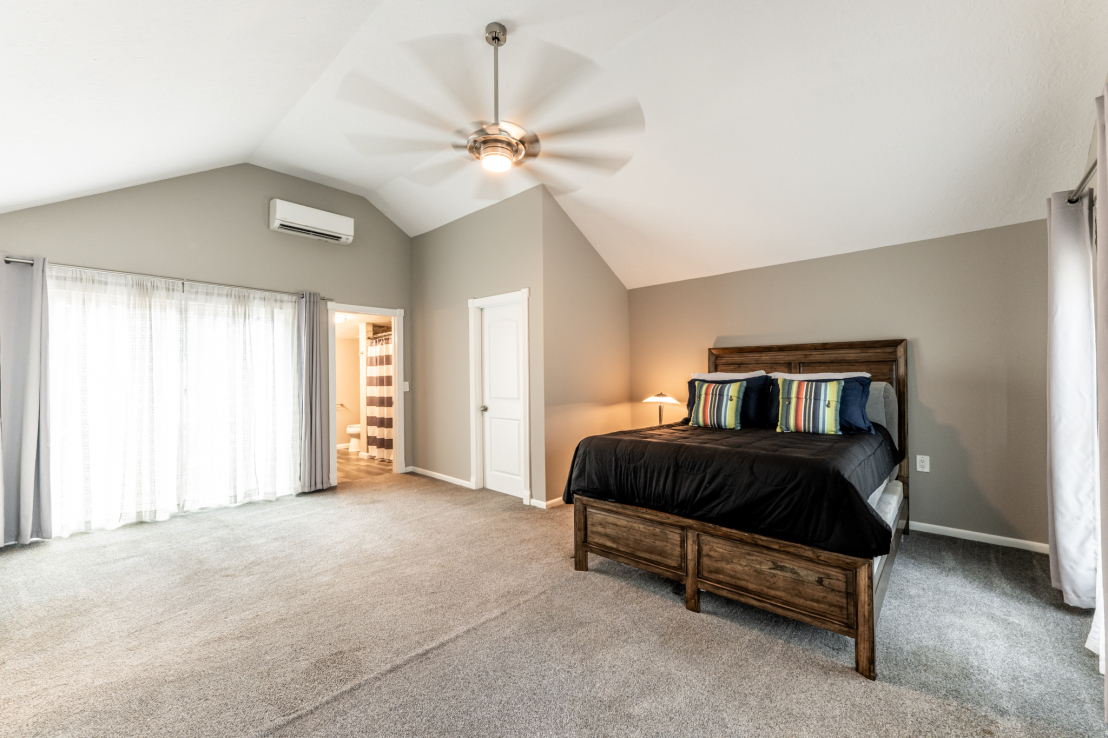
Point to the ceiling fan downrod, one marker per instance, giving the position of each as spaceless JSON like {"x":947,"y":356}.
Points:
{"x":496,"y":35}
{"x":495,"y":146}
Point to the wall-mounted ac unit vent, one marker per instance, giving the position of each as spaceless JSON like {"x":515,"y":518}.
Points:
{"x":301,"y":220}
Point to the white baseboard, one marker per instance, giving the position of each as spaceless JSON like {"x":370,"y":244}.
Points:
{"x":469,"y":485}
{"x":405,"y":470}
{"x":435,"y":475}
{"x":548,"y":504}
{"x":971,"y":535}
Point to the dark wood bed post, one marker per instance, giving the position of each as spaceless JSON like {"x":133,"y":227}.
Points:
{"x":865,"y":661}
{"x":833,"y":591}
{"x":901,"y":387}
{"x":580,"y":553}
{"x":692,"y":566}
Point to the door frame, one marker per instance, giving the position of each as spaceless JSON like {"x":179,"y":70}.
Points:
{"x":476,"y":427}
{"x":399,"y":390}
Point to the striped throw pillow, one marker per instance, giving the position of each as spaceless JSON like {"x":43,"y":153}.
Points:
{"x":717,"y":404}
{"x":809,"y":407}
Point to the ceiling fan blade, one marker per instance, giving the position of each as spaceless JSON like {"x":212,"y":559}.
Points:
{"x":447,"y":59}
{"x":362,"y":91}
{"x":490,"y":187}
{"x":435,"y":174}
{"x":385,"y":145}
{"x":553,"y":74}
{"x":603,"y":164}
{"x":626,"y":118}
{"x":553,"y":182}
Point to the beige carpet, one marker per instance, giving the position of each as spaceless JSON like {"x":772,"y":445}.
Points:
{"x":403,"y":606}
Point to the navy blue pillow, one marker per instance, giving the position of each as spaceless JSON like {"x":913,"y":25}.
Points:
{"x":852,"y":405}
{"x":754,"y":412}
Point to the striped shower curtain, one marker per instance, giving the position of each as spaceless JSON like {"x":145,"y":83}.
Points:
{"x":378,"y":397}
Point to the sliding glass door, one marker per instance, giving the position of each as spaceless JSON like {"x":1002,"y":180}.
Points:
{"x":168,"y":396}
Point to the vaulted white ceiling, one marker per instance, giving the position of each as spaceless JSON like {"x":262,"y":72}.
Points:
{"x":719,"y":135}
{"x":102,"y":94}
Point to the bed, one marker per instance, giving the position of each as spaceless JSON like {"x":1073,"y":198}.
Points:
{"x":820,"y":550}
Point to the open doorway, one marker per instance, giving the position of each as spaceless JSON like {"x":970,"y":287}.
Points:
{"x":367,"y":392}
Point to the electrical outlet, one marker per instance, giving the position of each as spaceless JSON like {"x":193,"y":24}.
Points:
{"x":923,"y":463}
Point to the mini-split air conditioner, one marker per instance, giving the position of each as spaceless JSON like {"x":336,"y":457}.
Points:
{"x":300,"y":220}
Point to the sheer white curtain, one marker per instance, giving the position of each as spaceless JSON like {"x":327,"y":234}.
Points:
{"x":168,"y":396}
{"x":1073,"y":475}
{"x":1096,"y":637}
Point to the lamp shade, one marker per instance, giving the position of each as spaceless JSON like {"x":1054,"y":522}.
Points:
{"x":662,"y":397}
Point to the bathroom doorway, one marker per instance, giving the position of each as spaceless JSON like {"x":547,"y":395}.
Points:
{"x":367,"y":409}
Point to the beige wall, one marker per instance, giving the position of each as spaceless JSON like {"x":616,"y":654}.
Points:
{"x":490,"y":252}
{"x":213,"y":227}
{"x":973,"y":308}
{"x":588,"y":347}
{"x":347,"y":392}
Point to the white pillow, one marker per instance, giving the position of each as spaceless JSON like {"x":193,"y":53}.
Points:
{"x":724,"y":376}
{"x":830,"y":375}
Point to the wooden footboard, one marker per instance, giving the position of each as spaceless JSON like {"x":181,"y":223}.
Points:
{"x":825,"y":589}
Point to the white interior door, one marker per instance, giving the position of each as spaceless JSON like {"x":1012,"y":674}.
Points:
{"x":502,"y":399}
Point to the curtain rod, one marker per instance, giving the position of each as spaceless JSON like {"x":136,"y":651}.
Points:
{"x":1076,"y":194}
{"x":17,"y":260}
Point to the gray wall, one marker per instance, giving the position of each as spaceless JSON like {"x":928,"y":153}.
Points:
{"x":588,"y":347}
{"x":580,"y":345}
{"x":213,"y":227}
{"x":489,"y":252}
{"x":973,"y":308}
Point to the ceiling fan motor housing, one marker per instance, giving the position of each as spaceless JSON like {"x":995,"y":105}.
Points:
{"x":483,"y":144}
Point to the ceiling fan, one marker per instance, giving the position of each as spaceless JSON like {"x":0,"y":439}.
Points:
{"x":556,"y":159}
{"x":500,"y":144}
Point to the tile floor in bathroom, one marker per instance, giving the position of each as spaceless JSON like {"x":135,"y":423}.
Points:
{"x":353,"y":467}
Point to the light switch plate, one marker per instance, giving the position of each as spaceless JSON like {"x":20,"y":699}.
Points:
{"x":406,"y":387}
{"x":923,"y":463}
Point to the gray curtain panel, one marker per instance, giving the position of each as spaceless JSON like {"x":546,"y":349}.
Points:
{"x":315,"y":433}
{"x":24,"y":402}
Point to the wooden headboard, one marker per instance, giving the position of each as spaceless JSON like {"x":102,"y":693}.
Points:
{"x":886,"y":361}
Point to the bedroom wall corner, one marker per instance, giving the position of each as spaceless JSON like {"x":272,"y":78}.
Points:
{"x":489,"y":252}
{"x":588,"y":347}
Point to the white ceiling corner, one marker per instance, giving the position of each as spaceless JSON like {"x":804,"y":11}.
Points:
{"x":773,"y":131}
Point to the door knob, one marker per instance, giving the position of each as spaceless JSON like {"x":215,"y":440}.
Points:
{"x":484,"y":408}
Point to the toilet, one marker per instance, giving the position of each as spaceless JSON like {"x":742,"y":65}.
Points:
{"x":355,"y":432}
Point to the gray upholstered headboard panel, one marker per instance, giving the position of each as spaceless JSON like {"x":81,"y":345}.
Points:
{"x":881,"y":408}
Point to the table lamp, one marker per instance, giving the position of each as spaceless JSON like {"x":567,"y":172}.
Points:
{"x":662,"y":399}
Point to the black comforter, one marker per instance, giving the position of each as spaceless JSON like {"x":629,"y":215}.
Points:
{"x":799,"y":487}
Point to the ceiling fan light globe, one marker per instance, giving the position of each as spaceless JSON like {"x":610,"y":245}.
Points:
{"x":496,"y":161}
